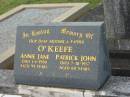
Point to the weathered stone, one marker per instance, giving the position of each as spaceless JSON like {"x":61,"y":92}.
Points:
{"x":117,"y":18}
{"x":115,"y":87}
{"x":6,"y":78}
{"x":34,"y":91}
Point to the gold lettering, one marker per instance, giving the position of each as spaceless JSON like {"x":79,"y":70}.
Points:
{"x":89,"y":35}
{"x":41,"y":48}
{"x":66,"y":57}
{"x":88,"y":58}
{"x":68,"y":32}
{"x":28,"y":56}
{"x":42,"y":56}
{"x":41,"y":32}
{"x":66,"y":49}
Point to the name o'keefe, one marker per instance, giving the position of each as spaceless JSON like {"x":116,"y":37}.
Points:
{"x":51,"y":49}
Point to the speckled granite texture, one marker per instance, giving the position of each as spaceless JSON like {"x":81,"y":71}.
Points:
{"x":116,"y":86}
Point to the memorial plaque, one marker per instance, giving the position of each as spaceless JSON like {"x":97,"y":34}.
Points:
{"x":68,"y":55}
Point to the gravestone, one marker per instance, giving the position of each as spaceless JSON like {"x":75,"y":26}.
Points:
{"x":68,"y":55}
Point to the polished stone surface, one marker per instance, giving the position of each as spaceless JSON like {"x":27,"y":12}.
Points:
{"x":83,"y":64}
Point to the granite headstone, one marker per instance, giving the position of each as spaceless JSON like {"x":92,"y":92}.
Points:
{"x":68,"y":55}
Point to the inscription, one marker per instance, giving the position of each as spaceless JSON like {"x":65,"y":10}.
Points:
{"x":62,"y":49}
{"x":67,"y":61}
